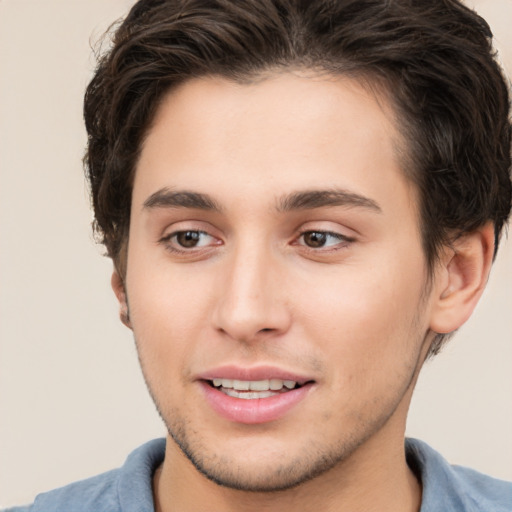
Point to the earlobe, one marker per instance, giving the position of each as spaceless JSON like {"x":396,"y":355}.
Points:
{"x":117,"y":284}
{"x":461,"y":279}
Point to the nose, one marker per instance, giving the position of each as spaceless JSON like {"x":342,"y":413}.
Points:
{"x":252,"y":299}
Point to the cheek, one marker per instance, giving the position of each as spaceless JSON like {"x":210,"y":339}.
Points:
{"x":366,"y":320}
{"x":169,"y":295}
{"x":167,"y":311}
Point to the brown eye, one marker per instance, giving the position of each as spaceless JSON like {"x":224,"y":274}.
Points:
{"x":324,"y":240}
{"x":314,"y":239}
{"x":189,"y":242}
{"x":188,"y":239}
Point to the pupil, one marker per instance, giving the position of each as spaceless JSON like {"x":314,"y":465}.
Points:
{"x":188,"y":238}
{"x":315,"y":239}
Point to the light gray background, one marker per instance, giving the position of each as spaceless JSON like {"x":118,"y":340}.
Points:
{"x":72,"y":401}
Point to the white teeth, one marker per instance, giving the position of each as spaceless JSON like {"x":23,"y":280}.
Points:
{"x":275,"y":384}
{"x":254,"y":385}
{"x":259,"y":385}
{"x":225,"y":383}
{"x":241,"y":385}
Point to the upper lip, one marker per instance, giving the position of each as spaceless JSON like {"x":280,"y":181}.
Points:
{"x":253,"y":374}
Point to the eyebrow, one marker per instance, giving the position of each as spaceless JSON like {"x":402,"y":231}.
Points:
{"x":167,"y":198}
{"x":310,"y":199}
{"x":303,"y":200}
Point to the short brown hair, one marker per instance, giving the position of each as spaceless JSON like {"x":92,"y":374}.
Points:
{"x":434,"y":58}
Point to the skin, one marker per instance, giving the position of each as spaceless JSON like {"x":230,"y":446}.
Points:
{"x":354,"y":313}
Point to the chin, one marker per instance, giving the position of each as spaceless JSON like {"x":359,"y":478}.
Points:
{"x":271,"y":476}
{"x":259,"y":469}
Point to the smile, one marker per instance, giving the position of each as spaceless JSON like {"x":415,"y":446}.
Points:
{"x":256,"y":400}
{"x":253,"y":389}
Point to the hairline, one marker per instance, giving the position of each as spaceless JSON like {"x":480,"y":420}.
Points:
{"x":380,"y":87}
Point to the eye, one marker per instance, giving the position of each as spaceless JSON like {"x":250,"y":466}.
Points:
{"x":321,"y":239}
{"x":188,"y":239}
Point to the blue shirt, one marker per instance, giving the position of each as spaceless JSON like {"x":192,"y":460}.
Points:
{"x":446,"y":488}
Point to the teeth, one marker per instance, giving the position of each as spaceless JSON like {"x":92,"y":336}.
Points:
{"x":259,"y":385}
{"x":254,"y":385}
{"x":275,"y":384}
{"x":241,"y":385}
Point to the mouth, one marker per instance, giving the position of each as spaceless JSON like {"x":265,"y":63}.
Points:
{"x":253,"y":389}
{"x":254,"y":396}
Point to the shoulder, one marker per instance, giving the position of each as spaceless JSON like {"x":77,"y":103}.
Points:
{"x":455,"y":488}
{"x":97,"y":493}
{"x":485,"y":492}
{"x":126,"y":489}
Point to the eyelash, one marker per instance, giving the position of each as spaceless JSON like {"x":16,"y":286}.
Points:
{"x":342,"y":240}
{"x":170,"y":241}
{"x":172,"y":245}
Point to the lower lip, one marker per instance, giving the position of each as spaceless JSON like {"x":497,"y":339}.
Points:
{"x":253,"y":411}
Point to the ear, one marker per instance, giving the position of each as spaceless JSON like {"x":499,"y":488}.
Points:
{"x":117,"y":284}
{"x":461,"y":279}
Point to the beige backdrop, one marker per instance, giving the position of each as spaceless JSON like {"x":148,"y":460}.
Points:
{"x":72,"y":401}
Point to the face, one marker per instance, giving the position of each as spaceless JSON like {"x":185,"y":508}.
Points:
{"x":275,"y":276}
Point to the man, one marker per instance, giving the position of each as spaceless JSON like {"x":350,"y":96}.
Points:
{"x":302,"y":200}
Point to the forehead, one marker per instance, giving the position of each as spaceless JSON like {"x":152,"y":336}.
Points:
{"x":287,"y":130}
